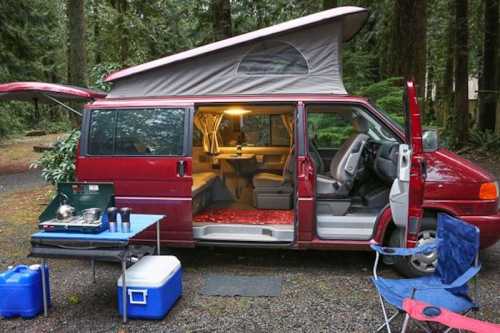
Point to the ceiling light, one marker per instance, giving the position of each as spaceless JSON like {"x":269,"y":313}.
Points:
{"x":235,"y":111}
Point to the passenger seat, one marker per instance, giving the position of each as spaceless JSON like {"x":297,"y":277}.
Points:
{"x":272,"y":191}
{"x":344,"y":166}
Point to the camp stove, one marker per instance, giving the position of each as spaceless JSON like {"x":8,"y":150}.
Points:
{"x":73,"y":224}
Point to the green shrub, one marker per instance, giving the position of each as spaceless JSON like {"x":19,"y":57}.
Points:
{"x":58,"y":165}
{"x":485,"y":140}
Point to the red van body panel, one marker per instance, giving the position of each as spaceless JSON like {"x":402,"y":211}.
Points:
{"x":452,"y":183}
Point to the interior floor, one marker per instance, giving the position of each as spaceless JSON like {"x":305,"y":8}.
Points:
{"x":245,"y":216}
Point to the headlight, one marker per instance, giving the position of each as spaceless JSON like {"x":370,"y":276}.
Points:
{"x":488,"y":191}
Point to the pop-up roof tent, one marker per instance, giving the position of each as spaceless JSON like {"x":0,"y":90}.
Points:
{"x":298,"y":56}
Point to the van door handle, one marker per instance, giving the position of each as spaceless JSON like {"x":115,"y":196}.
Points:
{"x":181,"y":168}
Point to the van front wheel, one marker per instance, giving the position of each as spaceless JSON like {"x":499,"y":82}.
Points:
{"x":418,"y":265}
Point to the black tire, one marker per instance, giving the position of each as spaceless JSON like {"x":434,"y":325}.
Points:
{"x":416,"y":266}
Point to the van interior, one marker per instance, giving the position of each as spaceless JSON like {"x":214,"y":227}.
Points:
{"x":244,"y":171}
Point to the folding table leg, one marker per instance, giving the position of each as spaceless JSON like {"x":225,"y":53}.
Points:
{"x":44,"y":288}
{"x":158,"y":237}
{"x":92,"y":263}
{"x":124,"y":289}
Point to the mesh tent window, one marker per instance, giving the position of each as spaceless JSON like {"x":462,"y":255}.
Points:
{"x":273,"y":58}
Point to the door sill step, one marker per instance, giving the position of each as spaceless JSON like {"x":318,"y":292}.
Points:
{"x":243,"y":233}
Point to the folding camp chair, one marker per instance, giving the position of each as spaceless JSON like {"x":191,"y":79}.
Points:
{"x":425,"y":312}
{"x":458,"y":262}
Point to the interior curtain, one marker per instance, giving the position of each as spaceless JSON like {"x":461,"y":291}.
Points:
{"x":287,"y":120}
{"x":208,"y":124}
{"x":217,"y":119}
{"x":202,"y":126}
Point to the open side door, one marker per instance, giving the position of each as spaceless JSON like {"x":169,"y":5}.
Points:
{"x":49,"y":93}
{"x":407,"y":191}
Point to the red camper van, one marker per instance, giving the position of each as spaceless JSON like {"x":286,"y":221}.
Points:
{"x":253,"y":141}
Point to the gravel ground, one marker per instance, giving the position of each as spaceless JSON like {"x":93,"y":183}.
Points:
{"x":322,"y":291}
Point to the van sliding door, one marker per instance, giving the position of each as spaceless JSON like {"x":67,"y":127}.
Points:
{"x":146,"y":153}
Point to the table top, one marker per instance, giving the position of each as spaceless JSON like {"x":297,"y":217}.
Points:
{"x":138,"y":223}
{"x":235,"y":156}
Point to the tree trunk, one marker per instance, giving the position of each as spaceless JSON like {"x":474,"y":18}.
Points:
{"x":447,"y":97}
{"x":461,"y":128}
{"x":328,"y":4}
{"x":411,"y":36}
{"x":77,"y":60}
{"x":487,"y":96}
{"x":420,"y":46}
{"x":222,"y":23}
{"x":97,"y":33}
{"x":121,"y":6}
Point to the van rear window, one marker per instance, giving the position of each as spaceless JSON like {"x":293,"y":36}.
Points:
{"x":158,"y":132}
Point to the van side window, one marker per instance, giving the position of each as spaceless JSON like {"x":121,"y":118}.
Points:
{"x":101,"y":134}
{"x":157,"y":132}
{"x":254,"y":131}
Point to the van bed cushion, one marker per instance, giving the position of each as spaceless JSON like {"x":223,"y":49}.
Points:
{"x":202,"y":180}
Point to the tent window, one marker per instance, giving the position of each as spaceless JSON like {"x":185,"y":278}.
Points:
{"x":273,"y":58}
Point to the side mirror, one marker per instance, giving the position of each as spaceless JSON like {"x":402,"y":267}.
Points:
{"x":430,"y":140}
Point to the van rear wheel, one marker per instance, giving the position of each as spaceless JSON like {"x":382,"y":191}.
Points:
{"x":418,"y":265}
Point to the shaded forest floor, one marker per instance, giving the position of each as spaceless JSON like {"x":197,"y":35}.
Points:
{"x":322,"y":291}
{"x":16,"y":154}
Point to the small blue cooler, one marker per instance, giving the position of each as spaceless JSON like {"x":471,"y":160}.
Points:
{"x":21,"y":291}
{"x":154,"y":284}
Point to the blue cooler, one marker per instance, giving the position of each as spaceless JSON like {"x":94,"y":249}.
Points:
{"x":154,"y":284}
{"x":21,"y":291}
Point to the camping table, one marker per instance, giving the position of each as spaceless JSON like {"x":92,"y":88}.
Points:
{"x":235,"y":160}
{"x":104,"y":246}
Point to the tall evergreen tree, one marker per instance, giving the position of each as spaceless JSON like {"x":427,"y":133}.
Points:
{"x":487,"y":95}
{"x":327,"y":4}
{"x":77,"y":59}
{"x":461,"y":123}
{"x":222,"y":22}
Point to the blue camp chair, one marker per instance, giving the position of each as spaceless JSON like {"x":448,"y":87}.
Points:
{"x":458,"y":262}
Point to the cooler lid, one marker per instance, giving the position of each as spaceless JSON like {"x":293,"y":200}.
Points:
{"x":151,"y":271}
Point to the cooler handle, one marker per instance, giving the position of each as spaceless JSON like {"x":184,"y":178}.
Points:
{"x":144,"y":293}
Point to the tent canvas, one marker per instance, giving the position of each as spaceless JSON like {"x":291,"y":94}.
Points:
{"x":298,"y":56}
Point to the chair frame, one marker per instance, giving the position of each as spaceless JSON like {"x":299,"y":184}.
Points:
{"x":408,"y":252}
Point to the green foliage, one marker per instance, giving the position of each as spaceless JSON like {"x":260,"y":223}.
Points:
{"x":329,"y":130}
{"x":387,"y":95}
{"x":58,"y":165}
{"x":485,"y":140}
{"x":99,"y":72}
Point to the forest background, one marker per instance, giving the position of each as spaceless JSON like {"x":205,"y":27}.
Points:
{"x":442,"y":44}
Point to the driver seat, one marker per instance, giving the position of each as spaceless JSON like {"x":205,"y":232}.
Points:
{"x":344,"y":166}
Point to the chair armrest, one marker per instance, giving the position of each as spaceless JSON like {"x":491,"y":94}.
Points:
{"x":401,"y":251}
{"x":426,"y":312}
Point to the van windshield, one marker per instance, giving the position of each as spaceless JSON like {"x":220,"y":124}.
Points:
{"x":397,"y":118}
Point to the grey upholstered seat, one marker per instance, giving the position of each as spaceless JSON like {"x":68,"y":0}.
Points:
{"x":272,"y":191}
{"x":344,"y":165}
{"x":267,"y":179}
